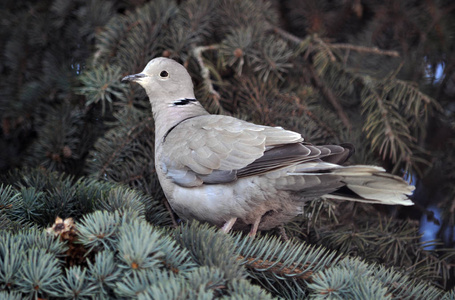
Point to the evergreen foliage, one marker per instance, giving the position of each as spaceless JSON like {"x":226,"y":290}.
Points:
{"x":77,"y":146}
{"x":184,"y":263}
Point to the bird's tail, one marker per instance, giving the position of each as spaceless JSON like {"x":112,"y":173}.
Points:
{"x":371,"y":184}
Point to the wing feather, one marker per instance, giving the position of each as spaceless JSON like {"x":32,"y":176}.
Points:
{"x":220,"y":149}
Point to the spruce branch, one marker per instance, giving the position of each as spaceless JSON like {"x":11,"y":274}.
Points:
{"x":390,"y":134}
{"x":329,"y":131}
{"x":329,"y":95}
{"x":363,"y":49}
{"x":271,"y":56}
{"x":139,"y":247}
{"x":237,"y":47}
{"x":132,"y":134}
{"x":143,"y":247}
{"x":10,"y":295}
{"x":205,"y":72}
{"x":388,"y":130}
{"x":101,"y":84}
{"x":104,"y":273}
{"x":253,"y":90}
{"x":244,"y":290}
{"x":240,"y":13}
{"x":191,"y":27}
{"x":350,"y":277}
{"x":318,"y":81}
{"x":59,"y":139}
{"x":210,"y":247}
{"x":286,"y":35}
{"x":147,"y":284}
{"x":412,"y":100}
{"x":75,"y":284}
{"x":209,"y":278}
{"x":98,"y":231}
{"x":326,"y":47}
{"x":171,"y":213}
{"x":284,"y":259}
{"x":393,"y":109}
{"x":278,"y":268}
{"x":283,"y":267}
{"x":41,"y":276}
{"x":40,"y":71}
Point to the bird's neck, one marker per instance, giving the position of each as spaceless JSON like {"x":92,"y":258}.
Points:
{"x":168,"y":116}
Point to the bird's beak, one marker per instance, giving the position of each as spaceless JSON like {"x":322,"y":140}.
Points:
{"x":134,"y":77}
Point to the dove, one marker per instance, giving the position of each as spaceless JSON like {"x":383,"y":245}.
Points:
{"x":242,"y":176}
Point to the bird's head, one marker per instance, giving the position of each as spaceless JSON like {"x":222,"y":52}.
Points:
{"x":164,"y":80}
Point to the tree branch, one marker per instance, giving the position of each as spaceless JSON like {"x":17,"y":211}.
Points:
{"x":288,"y":36}
{"x":331,"y":97}
{"x":277,"y":268}
{"x":129,"y":137}
{"x":308,"y":112}
{"x":373,"y":50}
{"x":205,"y":73}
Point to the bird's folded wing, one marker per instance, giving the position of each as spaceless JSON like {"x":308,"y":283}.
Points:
{"x":212,"y":148}
{"x":285,"y":156}
{"x":219,"y":149}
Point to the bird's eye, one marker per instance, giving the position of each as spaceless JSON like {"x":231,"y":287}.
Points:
{"x":164,"y":74}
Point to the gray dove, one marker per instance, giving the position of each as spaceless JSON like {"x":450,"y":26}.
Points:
{"x":237,"y":175}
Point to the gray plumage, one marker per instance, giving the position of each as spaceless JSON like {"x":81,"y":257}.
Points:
{"x":230,"y":172}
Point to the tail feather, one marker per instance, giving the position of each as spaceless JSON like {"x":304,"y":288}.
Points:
{"x":397,"y":201}
{"x":369,"y":184}
{"x":372,"y":185}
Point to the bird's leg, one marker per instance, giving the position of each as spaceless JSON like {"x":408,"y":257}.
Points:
{"x":283,"y":234}
{"x":254,"y":227}
{"x":228,"y":225}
